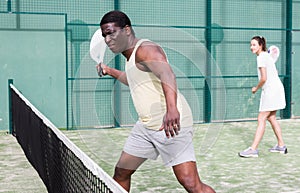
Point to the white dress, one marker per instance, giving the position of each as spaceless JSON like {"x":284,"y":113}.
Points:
{"x":272,"y":95}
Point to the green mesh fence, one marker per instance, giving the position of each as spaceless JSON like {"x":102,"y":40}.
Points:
{"x":32,"y":52}
{"x":207,"y":43}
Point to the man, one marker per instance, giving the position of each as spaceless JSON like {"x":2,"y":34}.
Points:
{"x":165,"y":119}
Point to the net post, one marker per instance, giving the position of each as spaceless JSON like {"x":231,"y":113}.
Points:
{"x":67,"y":72}
{"x":10,"y":126}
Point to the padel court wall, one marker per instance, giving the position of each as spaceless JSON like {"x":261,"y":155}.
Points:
{"x":45,"y":49}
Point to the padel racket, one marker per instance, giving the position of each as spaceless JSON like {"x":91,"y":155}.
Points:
{"x":97,"y":49}
{"x":274,"y":52}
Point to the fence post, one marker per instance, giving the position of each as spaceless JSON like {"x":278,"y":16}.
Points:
{"x":287,"y":81}
{"x":207,"y":81}
{"x":117,"y":92}
{"x":9,"y":6}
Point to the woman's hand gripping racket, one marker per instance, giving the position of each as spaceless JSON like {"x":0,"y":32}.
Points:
{"x":97,"y":49}
{"x":274,"y":52}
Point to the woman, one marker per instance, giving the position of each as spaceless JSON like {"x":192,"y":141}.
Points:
{"x":272,"y":98}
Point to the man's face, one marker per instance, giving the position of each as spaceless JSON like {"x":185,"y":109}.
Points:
{"x":115,"y":37}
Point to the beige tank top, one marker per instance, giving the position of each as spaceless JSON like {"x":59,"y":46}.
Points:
{"x":148,"y":96}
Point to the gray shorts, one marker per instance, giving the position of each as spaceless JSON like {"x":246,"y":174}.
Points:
{"x":149,"y":144}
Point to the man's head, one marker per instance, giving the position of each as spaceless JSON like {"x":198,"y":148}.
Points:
{"x":119,"y":18}
{"x":117,"y":31}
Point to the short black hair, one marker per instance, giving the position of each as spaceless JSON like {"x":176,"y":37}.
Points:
{"x":119,"y":18}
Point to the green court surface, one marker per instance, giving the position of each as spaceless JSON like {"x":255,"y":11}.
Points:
{"x":217,"y":159}
{"x":16,"y":173}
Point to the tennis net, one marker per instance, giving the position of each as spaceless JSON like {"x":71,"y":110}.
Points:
{"x":61,"y":165}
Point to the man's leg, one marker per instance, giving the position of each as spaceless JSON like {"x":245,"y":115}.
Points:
{"x":187,"y":175}
{"x":125,"y":167}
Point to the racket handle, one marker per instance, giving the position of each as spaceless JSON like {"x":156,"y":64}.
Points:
{"x":100,"y":71}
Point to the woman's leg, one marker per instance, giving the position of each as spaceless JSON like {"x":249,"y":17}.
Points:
{"x":261,"y":125}
{"x":276,"y":128}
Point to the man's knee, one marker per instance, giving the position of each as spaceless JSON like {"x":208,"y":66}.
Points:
{"x":195,"y":185}
{"x":122,"y":174}
{"x":188,"y":180}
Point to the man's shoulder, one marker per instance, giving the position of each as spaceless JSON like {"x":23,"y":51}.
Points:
{"x":145,"y":46}
{"x":147,"y":42}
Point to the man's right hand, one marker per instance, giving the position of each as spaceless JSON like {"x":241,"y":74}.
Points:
{"x":101,"y":69}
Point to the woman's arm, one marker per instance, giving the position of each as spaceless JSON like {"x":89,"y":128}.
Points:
{"x":263,"y":79}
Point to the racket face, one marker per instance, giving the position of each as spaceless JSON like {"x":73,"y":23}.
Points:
{"x":97,"y":47}
{"x":274,"y":52}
